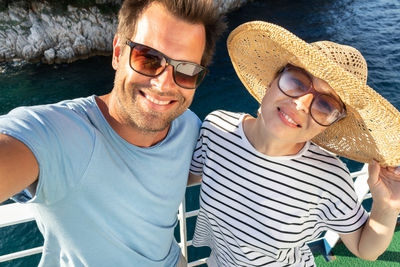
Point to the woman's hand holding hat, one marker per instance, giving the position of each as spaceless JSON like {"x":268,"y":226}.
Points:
{"x":384,"y":184}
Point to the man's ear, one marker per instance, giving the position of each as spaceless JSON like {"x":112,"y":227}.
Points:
{"x":116,"y":51}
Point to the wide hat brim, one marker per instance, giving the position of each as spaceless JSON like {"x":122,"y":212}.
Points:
{"x":371,"y":129}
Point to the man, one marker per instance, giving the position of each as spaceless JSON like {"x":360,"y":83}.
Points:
{"x":107,"y":173}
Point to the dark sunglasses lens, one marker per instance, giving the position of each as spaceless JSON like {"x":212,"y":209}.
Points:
{"x":147,"y":61}
{"x":189,"y":75}
{"x":294,"y":83}
{"x":326,"y":109}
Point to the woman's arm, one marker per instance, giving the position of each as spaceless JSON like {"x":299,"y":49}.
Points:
{"x":370,"y":241}
{"x":193,"y":179}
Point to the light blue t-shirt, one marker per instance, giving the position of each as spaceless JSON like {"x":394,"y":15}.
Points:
{"x":101,"y":201}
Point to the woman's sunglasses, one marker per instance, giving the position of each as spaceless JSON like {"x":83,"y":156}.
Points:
{"x":150,"y":62}
{"x":325,"y":109}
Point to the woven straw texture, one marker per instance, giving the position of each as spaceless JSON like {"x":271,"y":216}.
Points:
{"x":371,"y":129}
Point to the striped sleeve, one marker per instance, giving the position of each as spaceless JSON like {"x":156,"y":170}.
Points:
{"x":348,"y":215}
{"x":196,"y":166}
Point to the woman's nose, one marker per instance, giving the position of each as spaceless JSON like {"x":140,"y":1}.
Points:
{"x":304,"y":102}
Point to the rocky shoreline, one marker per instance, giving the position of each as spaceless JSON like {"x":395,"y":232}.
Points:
{"x":33,"y":31}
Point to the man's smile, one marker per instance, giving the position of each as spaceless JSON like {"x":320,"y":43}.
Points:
{"x":157,"y":100}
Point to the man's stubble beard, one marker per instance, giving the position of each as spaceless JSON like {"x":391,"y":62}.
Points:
{"x":149,"y":121}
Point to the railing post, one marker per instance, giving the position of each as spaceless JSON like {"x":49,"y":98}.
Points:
{"x":182,"y":227}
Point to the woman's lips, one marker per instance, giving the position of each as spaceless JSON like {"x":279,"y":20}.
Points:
{"x":288,"y":119}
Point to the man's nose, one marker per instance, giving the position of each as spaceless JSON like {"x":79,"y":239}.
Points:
{"x":165,"y":80}
{"x":304,"y":102}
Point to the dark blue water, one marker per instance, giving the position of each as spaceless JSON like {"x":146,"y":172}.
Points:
{"x":370,"y":26}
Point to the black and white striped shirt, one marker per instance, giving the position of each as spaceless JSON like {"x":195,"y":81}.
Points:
{"x":257,"y":210}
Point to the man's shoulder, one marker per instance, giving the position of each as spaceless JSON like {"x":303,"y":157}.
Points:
{"x":65,"y":118}
{"x":189,"y":119}
{"x":184,"y":127}
{"x":190,"y":115}
{"x":78,"y":105}
{"x":83,"y":103}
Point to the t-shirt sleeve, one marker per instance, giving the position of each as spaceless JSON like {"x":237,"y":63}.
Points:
{"x":61,"y":143}
{"x":196,"y":166}
{"x":353,"y":218}
{"x":345,"y":214}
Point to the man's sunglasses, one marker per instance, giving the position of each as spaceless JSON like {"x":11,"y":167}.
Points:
{"x":325,"y":109}
{"x":150,"y":62}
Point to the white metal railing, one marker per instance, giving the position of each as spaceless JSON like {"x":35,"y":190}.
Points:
{"x":12,"y":214}
{"x":183,"y":215}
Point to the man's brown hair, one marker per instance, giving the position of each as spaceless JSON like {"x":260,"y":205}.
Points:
{"x":205,"y":12}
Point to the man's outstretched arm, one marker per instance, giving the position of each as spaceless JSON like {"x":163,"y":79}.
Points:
{"x":18,"y":167}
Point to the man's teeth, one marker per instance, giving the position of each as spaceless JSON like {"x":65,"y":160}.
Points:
{"x":155,"y":101}
{"x":288,"y":118}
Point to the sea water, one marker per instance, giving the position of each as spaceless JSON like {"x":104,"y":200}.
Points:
{"x":370,"y":26}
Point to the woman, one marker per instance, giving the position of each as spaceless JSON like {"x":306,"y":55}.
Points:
{"x":269,"y":185}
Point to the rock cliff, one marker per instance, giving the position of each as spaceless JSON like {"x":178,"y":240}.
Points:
{"x":37,"y":31}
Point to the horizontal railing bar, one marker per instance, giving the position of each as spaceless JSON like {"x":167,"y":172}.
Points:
{"x":192,"y":213}
{"x":358,"y":173}
{"x":15,"y":213}
{"x":21,"y":254}
{"x":197,"y":262}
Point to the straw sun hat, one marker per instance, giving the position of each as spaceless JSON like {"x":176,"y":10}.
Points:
{"x":371,"y":129}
